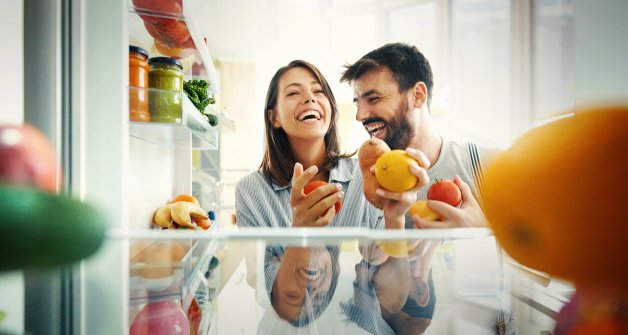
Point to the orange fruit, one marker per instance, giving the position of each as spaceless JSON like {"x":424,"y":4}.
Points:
{"x":420,"y":208}
{"x":186,"y":198}
{"x":557,"y":198}
{"x":392,"y":171}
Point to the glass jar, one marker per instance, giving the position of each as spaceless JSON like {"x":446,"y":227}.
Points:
{"x":138,"y":82}
{"x":165,"y":79}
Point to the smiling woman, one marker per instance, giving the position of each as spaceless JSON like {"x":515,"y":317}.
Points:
{"x":300,"y":123}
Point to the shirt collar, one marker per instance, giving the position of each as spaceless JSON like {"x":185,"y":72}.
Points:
{"x":342,"y":173}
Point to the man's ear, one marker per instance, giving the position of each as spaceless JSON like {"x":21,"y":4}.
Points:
{"x":419,"y":90}
{"x":273,"y":119}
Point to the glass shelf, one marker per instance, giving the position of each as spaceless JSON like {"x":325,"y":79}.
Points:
{"x":163,"y":270}
{"x":303,"y":235}
{"x":204,"y":136}
{"x":469,"y":284}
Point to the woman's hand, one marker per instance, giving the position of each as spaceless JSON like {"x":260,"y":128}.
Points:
{"x":469,"y":214}
{"x":397,"y":204}
{"x":316,"y":209}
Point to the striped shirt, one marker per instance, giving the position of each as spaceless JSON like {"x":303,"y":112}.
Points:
{"x":262,"y":203}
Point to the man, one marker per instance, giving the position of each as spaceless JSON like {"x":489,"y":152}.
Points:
{"x":393,"y":90}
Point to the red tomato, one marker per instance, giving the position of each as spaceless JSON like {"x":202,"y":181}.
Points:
{"x":311,"y":186}
{"x":446,"y":191}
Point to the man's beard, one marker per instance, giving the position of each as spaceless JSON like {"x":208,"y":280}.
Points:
{"x":400,"y":130}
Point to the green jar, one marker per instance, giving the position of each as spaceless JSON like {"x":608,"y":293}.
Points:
{"x":166,"y":82}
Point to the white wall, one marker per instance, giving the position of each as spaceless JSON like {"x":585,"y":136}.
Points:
{"x":12,"y":112}
{"x":11,"y":58}
{"x":601,"y":51}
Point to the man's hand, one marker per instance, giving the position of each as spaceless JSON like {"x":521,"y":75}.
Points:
{"x":397,"y":204}
{"x":307,"y":210}
{"x":469,"y":214}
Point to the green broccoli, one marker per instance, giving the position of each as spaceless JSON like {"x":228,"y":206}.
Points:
{"x":196,"y":90}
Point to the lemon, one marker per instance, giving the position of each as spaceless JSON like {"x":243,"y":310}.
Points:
{"x":420,"y":208}
{"x":392,"y":171}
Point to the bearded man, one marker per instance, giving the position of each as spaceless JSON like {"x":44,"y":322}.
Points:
{"x":393,"y":92}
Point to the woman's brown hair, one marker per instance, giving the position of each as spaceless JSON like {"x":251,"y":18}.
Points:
{"x":278,"y":161}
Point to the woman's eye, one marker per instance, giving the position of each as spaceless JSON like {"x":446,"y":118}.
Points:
{"x":319,"y":91}
{"x":292,"y":93}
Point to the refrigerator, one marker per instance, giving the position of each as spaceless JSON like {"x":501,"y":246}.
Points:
{"x":76,"y":68}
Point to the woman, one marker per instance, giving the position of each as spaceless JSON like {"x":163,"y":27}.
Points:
{"x":300,"y":117}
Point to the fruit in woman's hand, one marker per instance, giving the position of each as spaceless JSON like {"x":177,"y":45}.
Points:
{"x":311,"y":186}
{"x":368,"y":153}
{"x":392,"y":170}
{"x":556,"y":199}
{"x":445,"y":190}
{"x":27,"y":158}
{"x":420,"y":208}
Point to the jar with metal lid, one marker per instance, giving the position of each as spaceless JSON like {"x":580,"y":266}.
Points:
{"x":165,"y":79}
{"x":138,"y":84}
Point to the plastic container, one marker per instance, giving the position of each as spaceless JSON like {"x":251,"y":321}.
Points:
{"x":166,"y":82}
{"x":138,"y":82}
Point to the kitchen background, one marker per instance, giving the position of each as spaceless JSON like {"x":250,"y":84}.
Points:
{"x":500,"y":66}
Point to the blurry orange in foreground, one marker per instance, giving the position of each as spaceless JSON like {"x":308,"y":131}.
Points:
{"x":557,"y":199}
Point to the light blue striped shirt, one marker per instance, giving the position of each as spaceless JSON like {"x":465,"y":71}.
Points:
{"x":262,"y":203}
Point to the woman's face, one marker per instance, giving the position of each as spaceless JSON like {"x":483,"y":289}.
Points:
{"x":310,"y":275}
{"x":303,"y":110}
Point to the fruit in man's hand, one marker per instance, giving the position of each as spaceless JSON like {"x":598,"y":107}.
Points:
{"x":392,"y":170}
{"x":311,"y":186}
{"x":27,"y":158}
{"x":445,"y":190}
{"x":45,"y":230}
{"x":556,"y":199}
{"x":420,"y":208}
{"x":368,"y":153}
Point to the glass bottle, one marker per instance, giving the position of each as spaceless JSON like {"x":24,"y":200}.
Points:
{"x":165,"y":79}
{"x":138,"y":82}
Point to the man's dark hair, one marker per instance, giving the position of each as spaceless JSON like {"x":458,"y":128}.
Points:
{"x":406,"y":62}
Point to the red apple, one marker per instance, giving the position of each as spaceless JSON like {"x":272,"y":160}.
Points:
{"x":27,"y":158}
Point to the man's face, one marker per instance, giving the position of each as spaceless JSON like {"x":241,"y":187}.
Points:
{"x":382,"y":109}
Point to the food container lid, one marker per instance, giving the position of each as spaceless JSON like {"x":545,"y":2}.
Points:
{"x":133,"y":48}
{"x":165,"y":60}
